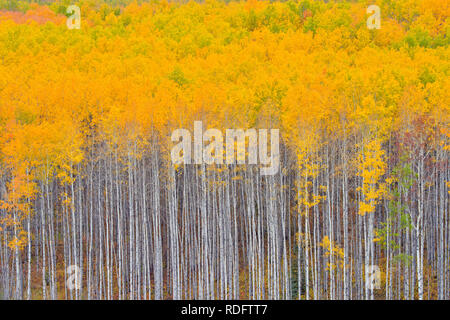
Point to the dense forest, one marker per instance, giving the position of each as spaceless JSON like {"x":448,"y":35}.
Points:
{"x":86,"y":177}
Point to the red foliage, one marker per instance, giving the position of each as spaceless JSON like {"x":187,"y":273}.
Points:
{"x":40,"y":15}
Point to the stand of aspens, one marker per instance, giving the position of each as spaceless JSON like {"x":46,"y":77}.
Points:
{"x":86,"y":177}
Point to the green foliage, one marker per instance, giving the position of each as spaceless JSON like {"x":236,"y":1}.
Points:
{"x":178,"y":77}
{"x":398,"y":219}
{"x":295,"y":278}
